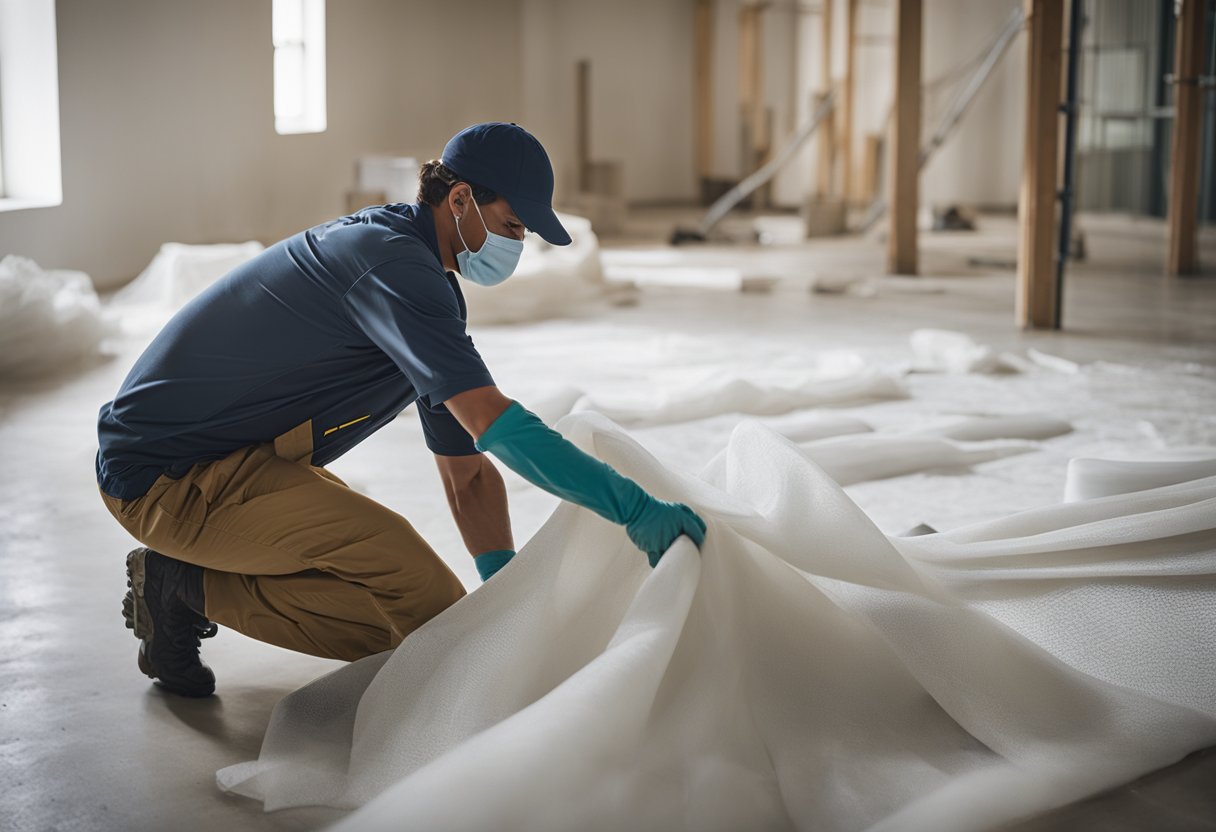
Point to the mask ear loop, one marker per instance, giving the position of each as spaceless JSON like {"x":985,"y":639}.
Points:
{"x":479,"y":216}
{"x":482,"y":218}
{"x":461,"y":235}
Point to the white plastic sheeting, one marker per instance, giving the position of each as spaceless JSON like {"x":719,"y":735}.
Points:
{"x":179,"y":271}
{"x":946,"y":351}
{"x":49,"y":320}
{"x":803,"y":671}
{"x":549,"y":281}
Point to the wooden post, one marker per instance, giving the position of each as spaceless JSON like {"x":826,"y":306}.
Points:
{"x":1037,"y":295}
{"x":846,"y":103}
{"x":751,"y":82}
{"x":703,"y":56}
{"x":871,"y":160}
{"x":582,"y":98}
{"x":1188,"y":126}
{"x":904,"y":196}
{"x":826,"y":138}
{"x":754,"y":113}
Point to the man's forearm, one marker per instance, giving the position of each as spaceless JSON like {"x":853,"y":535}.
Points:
{"x":479,"y":507}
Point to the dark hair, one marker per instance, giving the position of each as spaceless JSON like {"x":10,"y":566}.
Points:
{"x":435,"y":182}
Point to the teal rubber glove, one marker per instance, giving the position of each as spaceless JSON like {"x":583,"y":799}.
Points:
{"x":490,"y":562}
{"x":548,"y":460}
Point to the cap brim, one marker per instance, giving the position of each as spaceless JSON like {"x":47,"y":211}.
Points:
{"x":539,"y":217}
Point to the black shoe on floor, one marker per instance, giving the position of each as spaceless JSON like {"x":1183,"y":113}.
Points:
{"x":165,"y":609}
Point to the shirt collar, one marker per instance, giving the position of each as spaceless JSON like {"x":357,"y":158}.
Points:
{"x":424,"y":220}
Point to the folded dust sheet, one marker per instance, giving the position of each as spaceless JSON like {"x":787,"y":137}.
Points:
{"x":802,"y":671}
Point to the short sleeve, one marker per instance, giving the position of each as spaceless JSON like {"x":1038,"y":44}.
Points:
{"x":444,"y":435}
{"x":406,"y":308}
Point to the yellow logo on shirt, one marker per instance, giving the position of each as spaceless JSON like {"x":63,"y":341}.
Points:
{"x":347,"y":424}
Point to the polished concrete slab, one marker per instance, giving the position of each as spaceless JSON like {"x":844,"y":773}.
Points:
{"x":86,"y":743}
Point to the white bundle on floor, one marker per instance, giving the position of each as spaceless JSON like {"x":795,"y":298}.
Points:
{"x":49,"y":320}
{"x":550,"y":281}
{"x":945,"y":351}
{"x":803,"y":671}
{"x":179,"y":271}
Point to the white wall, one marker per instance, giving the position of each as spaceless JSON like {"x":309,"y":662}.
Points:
{"x":641,"y":88}
{"x":168,"y":128}
{"x":981,"y":162}
{"x":167,"y":119}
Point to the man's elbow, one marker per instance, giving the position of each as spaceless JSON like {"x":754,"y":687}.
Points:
{"x":477,"y":409}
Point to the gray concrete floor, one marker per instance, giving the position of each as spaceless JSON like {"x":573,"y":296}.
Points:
{"x":87,"y":744}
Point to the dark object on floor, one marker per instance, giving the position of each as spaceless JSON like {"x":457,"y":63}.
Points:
{"x":992,"y":263}
{"x":164,"y":609}
{"x":686,"y":235}
{"x":952,"y":219}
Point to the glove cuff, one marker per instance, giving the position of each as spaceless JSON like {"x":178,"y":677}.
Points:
{"x":490,"y":562}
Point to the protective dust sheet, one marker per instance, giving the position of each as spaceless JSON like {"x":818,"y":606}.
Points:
{"x":804,"y":670}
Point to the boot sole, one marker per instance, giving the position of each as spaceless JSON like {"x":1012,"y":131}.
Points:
{"x":137,"y":617}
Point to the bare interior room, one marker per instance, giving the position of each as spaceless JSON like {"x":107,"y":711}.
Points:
{"x":651,"y":415}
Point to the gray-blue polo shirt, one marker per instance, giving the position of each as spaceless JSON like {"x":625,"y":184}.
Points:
{"x":345,"y":324}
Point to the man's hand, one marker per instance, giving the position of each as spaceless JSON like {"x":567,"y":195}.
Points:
{"x":548,"y":460}
{"x":659,"y":524}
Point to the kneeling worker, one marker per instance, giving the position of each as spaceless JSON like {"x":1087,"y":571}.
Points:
{"x":212,"y":453}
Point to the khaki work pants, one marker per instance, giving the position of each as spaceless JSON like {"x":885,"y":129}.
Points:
{"x":291,"y":554}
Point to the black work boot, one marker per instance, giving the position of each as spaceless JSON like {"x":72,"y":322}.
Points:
{"x":165,"y":609}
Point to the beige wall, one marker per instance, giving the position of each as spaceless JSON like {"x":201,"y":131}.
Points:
{"x":167,"y":120}
{"x":641,"y":88}
{"x":168,"y":130}
{"x":981,"y":162}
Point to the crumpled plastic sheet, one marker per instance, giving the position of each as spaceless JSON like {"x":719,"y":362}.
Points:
{"x":49,"y":320}
{"x":550,"y":281}
{"x":684,"y":392}
{"x":738,"y":394}
{"x":946,"y":351}
{"x":179,"y":271}
{"x":802,"y":671}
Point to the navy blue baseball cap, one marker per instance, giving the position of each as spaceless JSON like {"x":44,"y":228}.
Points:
{"x":509,"y":161}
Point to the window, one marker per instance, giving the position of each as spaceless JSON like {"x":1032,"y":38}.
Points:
{"x":30,"y":175}
{"x":298,"y":28}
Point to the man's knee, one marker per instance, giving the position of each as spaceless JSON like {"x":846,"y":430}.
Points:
{"x":443,"y":589}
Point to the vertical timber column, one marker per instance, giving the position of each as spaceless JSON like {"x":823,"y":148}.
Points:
{"x":826,"y":138}
{"x":1037,"y":295}
{"x":704,"y":72}
{"x":1188,"y":125}
{"x":749,"y":83}
{"x":905,"y":140}
{"x":582,"y":98}
{"x":846,"y":102}
{"x":751,"y":90}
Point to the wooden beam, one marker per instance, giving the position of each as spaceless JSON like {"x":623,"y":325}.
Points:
{"x":756,"y":139}
{"x":1182,"y":257}
{"x":703,"y":56}
{"x":582,"y":98}
{"x":751,"y":82}
{"x":904,"y":194}
{"x":1037,"y":295}
{"x":848,"y":160}
{"x":871,"y":161}
{"x":826,"y":135}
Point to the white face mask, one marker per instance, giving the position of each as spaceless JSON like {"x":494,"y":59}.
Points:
{"x":494,"y":262}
